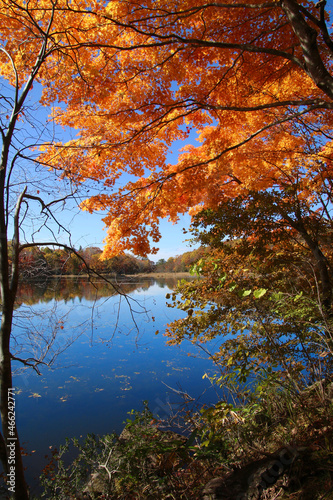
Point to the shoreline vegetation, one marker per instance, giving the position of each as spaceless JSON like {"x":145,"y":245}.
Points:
{"x":263,"y":451}
{"x":174,"y":274}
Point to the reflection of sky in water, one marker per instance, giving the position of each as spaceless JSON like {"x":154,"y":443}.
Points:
{"x":106,"y":373}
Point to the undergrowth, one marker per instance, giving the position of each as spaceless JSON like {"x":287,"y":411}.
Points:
{"x":148,"y":461}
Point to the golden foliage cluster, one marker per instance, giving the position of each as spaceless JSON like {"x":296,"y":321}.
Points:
{"x":243,"y":79}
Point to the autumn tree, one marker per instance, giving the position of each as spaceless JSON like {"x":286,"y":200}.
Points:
{"x":266,"y":287}
{"x":261,"y":293}
{"x":253,"y":80}
{"x":180,"y":263}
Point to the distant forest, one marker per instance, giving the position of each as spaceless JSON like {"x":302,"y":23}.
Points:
{"x":180,"y":263}
{"x":45,"y":261}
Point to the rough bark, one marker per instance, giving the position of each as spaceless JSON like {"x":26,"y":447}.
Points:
{"x":307,"y":36}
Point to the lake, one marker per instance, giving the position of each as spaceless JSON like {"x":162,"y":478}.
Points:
{"x":116,"y":361}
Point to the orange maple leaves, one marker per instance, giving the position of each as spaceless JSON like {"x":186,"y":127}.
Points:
{"x":135,"y":79}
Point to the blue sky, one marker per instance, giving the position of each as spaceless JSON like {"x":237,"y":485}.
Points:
{"x":87,"y":230}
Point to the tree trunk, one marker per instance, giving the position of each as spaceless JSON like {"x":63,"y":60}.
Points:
{"x":11,"y":451}
{"x":325,"y":281}
{"x":13,"y":458}
{"x":322,"y":265}
{"x":307,"y":36}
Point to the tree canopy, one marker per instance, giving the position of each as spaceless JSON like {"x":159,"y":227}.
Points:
{"x":253,"y":80}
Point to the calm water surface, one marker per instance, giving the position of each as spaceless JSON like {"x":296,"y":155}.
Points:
{"x":116,"y":362}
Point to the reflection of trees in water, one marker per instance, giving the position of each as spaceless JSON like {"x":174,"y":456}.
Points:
{"x":169,"y":282}
{"x":144,"y":283}
{"x":67,"y":289}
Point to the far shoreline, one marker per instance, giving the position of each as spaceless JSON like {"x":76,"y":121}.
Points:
{"x":158,"y":275}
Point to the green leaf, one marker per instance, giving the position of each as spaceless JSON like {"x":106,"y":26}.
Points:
{"x":223,"y":278}
{"x":191,"y":439}
{"x":197,"y":268}
{"x":259,"y":293}
{"x":276,"y":296}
